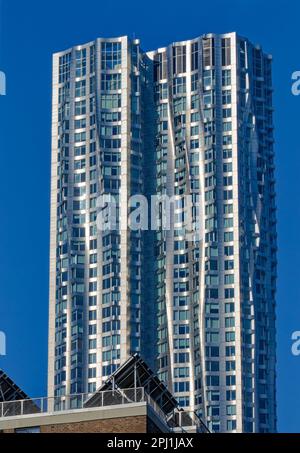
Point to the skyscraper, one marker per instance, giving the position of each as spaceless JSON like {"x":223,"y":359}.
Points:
{"x":191,"y":122}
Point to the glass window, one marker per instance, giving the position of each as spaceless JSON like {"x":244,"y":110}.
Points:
{"x":31,"y":429}
{"x":111,"y":55}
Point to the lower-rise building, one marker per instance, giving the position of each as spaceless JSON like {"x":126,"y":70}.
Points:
{"x":132,"y":400}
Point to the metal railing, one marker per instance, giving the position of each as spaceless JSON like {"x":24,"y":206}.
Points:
{"x":72,"y":402}
{"x":177,"y":420}
{"x":190,"y":419}
{"x":167,"y":419}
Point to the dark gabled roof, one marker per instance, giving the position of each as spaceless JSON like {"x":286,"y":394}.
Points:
{"x":136,"y":373}
{"x":9,"y":391}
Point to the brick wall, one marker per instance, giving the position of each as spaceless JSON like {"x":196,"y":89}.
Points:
{"x":136,"y":424}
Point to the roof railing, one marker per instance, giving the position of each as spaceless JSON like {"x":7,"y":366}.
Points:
{"x":177,"y":420}
{"x":71,"y":402}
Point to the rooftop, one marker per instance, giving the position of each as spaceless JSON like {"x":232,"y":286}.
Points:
{"x":132,"y":387}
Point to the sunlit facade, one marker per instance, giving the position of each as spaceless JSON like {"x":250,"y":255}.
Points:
{"x":95,"y":277}
{"x":194,"y":118}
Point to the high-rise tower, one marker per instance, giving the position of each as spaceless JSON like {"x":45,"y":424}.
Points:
{"x":95,"y":276}
{"x":191,"y":122}
{"x":215,"y":295}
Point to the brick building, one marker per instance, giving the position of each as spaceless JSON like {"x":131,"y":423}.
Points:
{"x":132,"y":400}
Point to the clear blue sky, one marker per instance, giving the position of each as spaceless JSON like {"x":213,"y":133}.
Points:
{"x":30,"y":32}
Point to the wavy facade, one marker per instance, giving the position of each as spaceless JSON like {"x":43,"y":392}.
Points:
{"x":193,"y":122}
{"x":97,"y":149}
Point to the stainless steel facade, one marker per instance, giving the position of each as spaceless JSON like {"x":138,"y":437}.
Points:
{"x":193,"y":119}
{"x":94,"y":276}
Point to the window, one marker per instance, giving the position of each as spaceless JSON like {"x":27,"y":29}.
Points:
{"x":92,"y":59}
{"x":229,"y":293}
{"x":160,"y":65}
{"x":228,"y":221}
{"x":194,"y":56}
{"x":92,"y":300}
{"x":227,"y":153}
{"x":208,"y":51}
{"x":181,"y":357}
{"x":80,"y":124}
{"x":180,"y":387}
{"x":91,"y":387}
{"x":80,"y":88}
{"x":230,"y":364}
{"x":195,"y":101}
{"x":181,"y":372}
{"x":80,"y":57}
{"x":229,"y":336}
{"x":80,"y":107}
{"x":161,"y":91}
{"x":230,"y":351}
{"x":179,"y":85}
{"x":230,"y":395}
{"x":108,"y":370}
{"x":227,"y":113}
{"x":208,"y":78}
{"x":228,"y":279}
{"x":231,"y":425}
{"x":226,"y":77}
{"x":212,"y":323}
{"x":227,"y":168}
{"x":92,"y":313}
{"x":226,"y":51}
{"x":111,"y":55}
{"x":183,"y":402}
{"x":228,"y":194}
{"x":111,"y":82}
{"x":212,"y":337}
{"x":212,"y":381}
{"x":92,"y":329}
{"x":228,"y":236}
{"x":213,"y":411}
{"x":181,"y":343}
{"x":194,"y":130}
{"x":179,"y":105}
{"x":229,"y":308}
{"x":64,"y":67}
{"x":208,"y":98}
{"x":228,"y":208}
{"x":80,"y":137}
{"x":179,"y":59}
{"x":226,"y":97}
{"x":194,"y":82}
{"x":212,"y":351}
{"x":212,"y":365}
{"x":92,"y":358}
{"x":194,"y":144}
{"x":110,"y":143}
{"x":31,"y":429}
{"x":109,"y":117}
{"x":110,"y":101}
{"x":227,"y":127}
{"x":212,"y":309}
{"x":113,"y":354}
{"x":110,"y":130}
{"x":213,"y":395}
{"x":230,"y":380}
